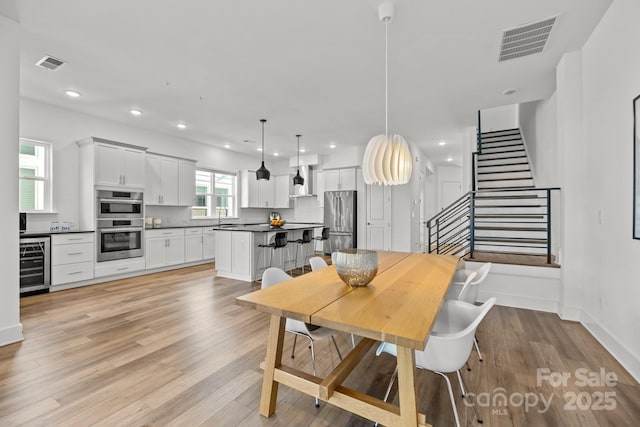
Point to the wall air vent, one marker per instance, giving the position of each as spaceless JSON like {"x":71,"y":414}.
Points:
{"x":49,"y":62}
{"x":525,"y":40}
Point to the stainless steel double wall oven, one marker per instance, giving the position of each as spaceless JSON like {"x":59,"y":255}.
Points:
{"x":120,"y":224}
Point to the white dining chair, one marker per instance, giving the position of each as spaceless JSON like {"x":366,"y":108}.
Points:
{"x":449,"y":344}
{"x":460,"y":278}
{"x":465,"y":287}
{"x":317,"y":263}
{"x":272,"y":276}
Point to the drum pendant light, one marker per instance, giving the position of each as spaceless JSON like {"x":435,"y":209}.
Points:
{"x":387,"y":159}
{"x":298,"y":180}
{"x":263,"y":173}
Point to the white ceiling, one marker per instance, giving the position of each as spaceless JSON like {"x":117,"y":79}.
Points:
{"x":309,"y":67}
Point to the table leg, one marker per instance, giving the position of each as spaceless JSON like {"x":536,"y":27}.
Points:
{"x":407,"y":386}
{"x":272,"y":361}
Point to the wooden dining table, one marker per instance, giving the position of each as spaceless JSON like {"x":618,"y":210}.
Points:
{"x":398,"y":306}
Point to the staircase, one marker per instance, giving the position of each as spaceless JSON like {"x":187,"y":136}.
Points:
{"x":505,"y":218}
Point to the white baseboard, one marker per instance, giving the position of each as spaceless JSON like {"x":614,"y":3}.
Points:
{"x":618,"y":350}
{"x":11,"y":334}
{"x":570,"y":313}
{"x":520,"y":301}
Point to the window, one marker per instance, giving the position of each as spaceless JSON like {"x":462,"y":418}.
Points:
{"x":35,"y":176}
{"x":215,"y":195}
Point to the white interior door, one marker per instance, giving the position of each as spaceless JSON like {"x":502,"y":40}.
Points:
{"x":450,"y":191}
{"x":379,"y":217}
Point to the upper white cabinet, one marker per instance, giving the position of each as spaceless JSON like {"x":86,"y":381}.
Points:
{"x":186,"y":182}
{"x":257,"y":194}
{"x":281,"y":192}
{"x":106,"y":163}
{"x":119,"y":166}
{"x":170,"y":181}
{"x":340,"y":179}
{"x":111,"y":164}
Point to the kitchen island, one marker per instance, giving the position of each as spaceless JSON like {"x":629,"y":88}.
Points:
{"x":239,"y":256}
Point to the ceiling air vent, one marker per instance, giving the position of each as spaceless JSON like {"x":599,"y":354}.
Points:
{"x":525,"y":40}
{"x":49,"y":62}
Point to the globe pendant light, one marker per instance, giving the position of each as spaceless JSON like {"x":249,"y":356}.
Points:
{"x":298,"y":180}
{"x":387,"y":159}
{"x":263,"y":173}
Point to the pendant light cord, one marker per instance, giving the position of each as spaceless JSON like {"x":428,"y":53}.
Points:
{"x":298,"y":136}
{"x":262,"y":152}
{"x":386,"y":76}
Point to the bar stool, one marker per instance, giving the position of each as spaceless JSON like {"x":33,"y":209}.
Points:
{"x":280,"y":241}
{"x":325,"y":236}
{"x":304,"y":241}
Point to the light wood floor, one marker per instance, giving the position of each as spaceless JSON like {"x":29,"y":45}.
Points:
{"x":174,"y":349}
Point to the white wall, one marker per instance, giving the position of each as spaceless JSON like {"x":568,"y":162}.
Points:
{"x":10,"y":327}
{"x":538,"y":124}
{"x":444,"y":174}
{"x":499,"y":118}
{"x":611,"y":290}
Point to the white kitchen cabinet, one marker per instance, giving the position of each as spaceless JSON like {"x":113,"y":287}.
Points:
{"x":72,"y":257}
{"x":281,"y":193}
{"x":193,"y":244}
{"x":186,"y":182}
{"x":254,"y":193}
{"x":164,"y":247}
{"x":208,"y":243}
{"x":340,"y":179}
{"x":119,"y":166}
{"x":162,"y":180}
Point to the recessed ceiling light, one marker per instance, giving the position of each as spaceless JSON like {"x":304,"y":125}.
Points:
{"x":332,"y":146}
{"x":227,"y":146}
{"x":72,"y":93}
{"x":259,"y":148}
{"x":135,"y":112}
{"x":276,"y":154}
{"x":449,"y":159}
{"x":302,"y":150}
{"x":181,"y":126}
{"x":509,"y":91}
{"x":441,"y":143}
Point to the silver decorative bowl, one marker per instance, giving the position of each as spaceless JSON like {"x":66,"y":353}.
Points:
{"x":356,"y":267}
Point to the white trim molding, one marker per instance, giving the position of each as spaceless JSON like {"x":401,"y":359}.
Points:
{"x":11,"y":334}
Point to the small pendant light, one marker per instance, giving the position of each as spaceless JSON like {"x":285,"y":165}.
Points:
{"x":263,"y":173}
{"x":298,"y":180}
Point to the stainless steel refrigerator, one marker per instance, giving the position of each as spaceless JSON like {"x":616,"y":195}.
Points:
{"x":340,"y":213}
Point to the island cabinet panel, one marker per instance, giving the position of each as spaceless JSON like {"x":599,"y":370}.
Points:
{"x":223,"y":251}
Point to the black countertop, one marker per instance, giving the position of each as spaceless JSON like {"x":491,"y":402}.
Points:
{"x":264,"y":228}
{"x":26,"y":234}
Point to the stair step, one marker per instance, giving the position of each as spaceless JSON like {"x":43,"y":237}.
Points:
{"x":492,"y":142}
{"x":492,"y":228}
{"x":493,"y":132}
{"x":511,"y":187}
{"x":510,"y":240}
{"x":508,"y":171}
{"x":493,"y":147}
{"x":504,"y":179}
{"x":503,"y":158}
{"x":484,"y":153}
{"x":502,"y":164}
